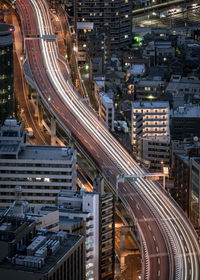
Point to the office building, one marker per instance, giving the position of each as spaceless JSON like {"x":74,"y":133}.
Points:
{"x":90,"y":214}
{"x":149,"y":119}
{"x":39,"y":255}
{"x":41,"y":171}
{"x":185,"y":122}
{"x":106,"y":109}
{"x":7,"y":104}
{"x":112,"y":18}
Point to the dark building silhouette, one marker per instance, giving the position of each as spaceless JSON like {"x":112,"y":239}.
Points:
{"x":7,"y":104}
{"x":39,"y":255}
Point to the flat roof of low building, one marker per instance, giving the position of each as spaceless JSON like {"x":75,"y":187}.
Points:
{"x":187,"y":111}
{"x":51,"y":260}
{"x":150,"y":104}
{"x":41,"y":153}
{"x":164,"y":138}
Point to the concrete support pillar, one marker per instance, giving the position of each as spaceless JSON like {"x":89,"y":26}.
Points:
{"x":37,"y":106}
{"x":53,"y":131}
{"x":123,"y":232}
{"x":40,"y":115}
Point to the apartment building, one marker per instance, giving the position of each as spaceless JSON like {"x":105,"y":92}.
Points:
{"x":195,"y":192}
{"x":92,"y":214}
{"x":41,"y":171}
{"x":112,"y":18}
{"x":7,"y":104}
{"x":154,"y":152}
{"x":106,"y":109}
{"x":39,"y":255}
{"x":149,"y":89}
{"x":149,"y":119}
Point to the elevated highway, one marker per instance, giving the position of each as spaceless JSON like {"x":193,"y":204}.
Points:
{"x":170,"y":248}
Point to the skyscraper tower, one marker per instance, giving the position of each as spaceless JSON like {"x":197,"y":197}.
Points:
{"x":111,"y":17}
{"x":7,"y":104}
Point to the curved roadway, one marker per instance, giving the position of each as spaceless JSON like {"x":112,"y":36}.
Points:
{"x":170,"y":247}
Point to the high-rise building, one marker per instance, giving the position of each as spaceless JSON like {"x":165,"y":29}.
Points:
{"x":7,"y":104}
{"x":39,"y":255}
{"x":110,"y":17}
{"x":41,"y":171}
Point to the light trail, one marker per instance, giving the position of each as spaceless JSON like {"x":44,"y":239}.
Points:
{"x":170,"y":221}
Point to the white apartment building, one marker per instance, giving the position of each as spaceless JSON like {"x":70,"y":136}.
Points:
{"x":149,"y":119}
{"x":97,"y":211}
{"x":106,"y":109}
{"x":41,"y":171}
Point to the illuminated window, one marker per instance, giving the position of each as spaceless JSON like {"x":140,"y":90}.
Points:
{"x":126,"y":16}
{"x":125,"y":36}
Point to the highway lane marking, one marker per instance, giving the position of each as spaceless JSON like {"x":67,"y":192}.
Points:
{"x":158,"y":273}
{"x":166,"y":255}
{"x":157,"y":249}
{"x":158,"y":260}
{"x":149,"y":227}
{"x":154,"y":238}
{"x":186,"y":249}
{"x":138,"y":206}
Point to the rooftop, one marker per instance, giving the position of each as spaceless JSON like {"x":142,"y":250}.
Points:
{"x":41,"y":153}
{"x":41,"y":261}
{"x":150,"y":104}
{"x":187,"y":111}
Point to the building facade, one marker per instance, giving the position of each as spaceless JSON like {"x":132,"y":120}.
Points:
{"x":112,"y":18}
{"x":7,"y":104}
{"x":181,"y":173}
{"x":195,"y":192}
{"x":149,"y":119}
{"x":41,"y":171}
{"x":185,"y":122}
{"x":106,"y":110}
{"x":154,"y":152}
